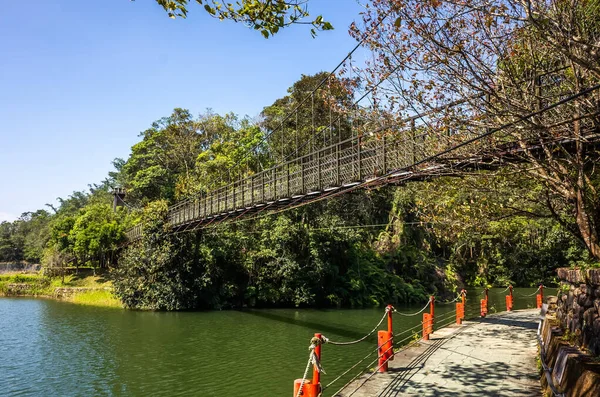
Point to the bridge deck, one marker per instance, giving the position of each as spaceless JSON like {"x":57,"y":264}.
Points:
{"x":489,"y":357}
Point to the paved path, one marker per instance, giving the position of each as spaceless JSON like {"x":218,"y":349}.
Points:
{"x":489,"y":357}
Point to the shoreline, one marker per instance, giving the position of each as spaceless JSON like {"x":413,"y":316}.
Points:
{"x":87,"y":290}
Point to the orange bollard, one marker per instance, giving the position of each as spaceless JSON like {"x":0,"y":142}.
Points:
{"x":426,"y":322}
{"x":311,"y":388}
{"x":308,"y":389}
{"x":509,"y":299}
{"x":484,"y":304}
{"x":390,"y":310}
{"x":459,"y":313}
{"x":540,"y":297}
{"x":316,"y":380}
{"x":384,"y":349}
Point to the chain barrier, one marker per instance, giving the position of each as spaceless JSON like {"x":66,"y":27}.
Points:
{"x":529,"y":295}
{"x":311,"y":354}
{"x":382,"y":356}
{"x":452,"y":301}
{"x":329,"y":341}
{"x":414,"y":314}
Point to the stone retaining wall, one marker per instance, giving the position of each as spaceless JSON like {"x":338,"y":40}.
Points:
{"x":578,"y":307}
{"x":574,"y":372}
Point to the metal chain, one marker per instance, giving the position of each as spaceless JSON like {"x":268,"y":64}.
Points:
{"x":327,"y":340}
{"x":536,"y":291}
{"x":414,"y":314}
{"x":452,"y":301}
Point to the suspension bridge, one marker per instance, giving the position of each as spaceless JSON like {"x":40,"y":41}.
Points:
{"x":410,"y":149}
{"x":466,"y":351}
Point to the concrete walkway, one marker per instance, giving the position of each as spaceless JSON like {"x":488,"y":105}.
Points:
{"x":494,"y":356}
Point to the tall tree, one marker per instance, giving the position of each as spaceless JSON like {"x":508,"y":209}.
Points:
{"x":501,"y":60}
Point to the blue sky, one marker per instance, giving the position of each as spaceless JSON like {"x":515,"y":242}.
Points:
{"x":80,"y":79}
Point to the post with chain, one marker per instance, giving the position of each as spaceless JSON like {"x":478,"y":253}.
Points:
{"x":385,"y":349}
{"x":509,"y":299}
{"x":484,"y":303}
{"x":390,"y":310}
{"x":311,"y":387}
{"x":426,"y":322}
{"x":460,"y":307}
{"x":540,"y":297}
{"x":316,"y":379}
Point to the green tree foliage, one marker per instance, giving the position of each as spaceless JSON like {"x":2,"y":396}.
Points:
{"x":25,"y":238}
{"x":96,"y":234}
{"x":266,"y":16}
{"x":161,"y":271}
{"x":313,"y":114}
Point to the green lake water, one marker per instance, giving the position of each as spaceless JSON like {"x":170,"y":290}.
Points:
{"x":50,"y":348}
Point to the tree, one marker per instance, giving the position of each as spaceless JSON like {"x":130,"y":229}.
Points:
{"x":165,"y":156}
{"x":97,"y":232}
{"x":312,"y":115}
{"x":266,"y":16}
{"x":502,"y":61}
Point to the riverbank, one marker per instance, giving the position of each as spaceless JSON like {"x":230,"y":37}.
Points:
{"x":91,"y":290}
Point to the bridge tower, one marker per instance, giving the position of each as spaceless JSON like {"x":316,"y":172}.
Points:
{"x":119,"y":197}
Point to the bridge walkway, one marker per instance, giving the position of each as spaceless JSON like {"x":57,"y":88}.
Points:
{"x":494,"y":356}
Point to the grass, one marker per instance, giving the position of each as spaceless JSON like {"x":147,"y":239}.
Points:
{"x":38,"y":285}
{"x":103,"y":298}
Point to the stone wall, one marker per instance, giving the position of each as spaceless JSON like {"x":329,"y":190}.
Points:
{"x":578,"y":307}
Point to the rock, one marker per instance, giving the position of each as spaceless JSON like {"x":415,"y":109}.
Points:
{"x":596,"y":327}
{"x":588,"y":316}
{"x":588,"y":384}
{"x":594,"y":276}
{"x":581,"y":299}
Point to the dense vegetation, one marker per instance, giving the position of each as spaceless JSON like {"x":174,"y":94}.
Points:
{"x":393,"y":244}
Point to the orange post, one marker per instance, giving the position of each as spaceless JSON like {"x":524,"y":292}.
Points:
{"x":509,"y":299}
{"x":384,"y":349}
{"x":308,"y":389}
{"x":427,"y":326}
{"x":390,"y":310}
{"x":432,"y":310}
{"x":316,"y":380}
{"x":484,"y":304}
{"x":540,"y":297}
{"x":459,"y":313}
